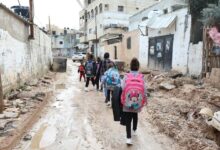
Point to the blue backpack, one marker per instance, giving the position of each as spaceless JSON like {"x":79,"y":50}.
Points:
{"x":112,"y":78}
{"x":89,"y":68}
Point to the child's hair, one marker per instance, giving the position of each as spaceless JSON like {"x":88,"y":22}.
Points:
{"x":106,"y":55}
{"x":90,"y":57}
{"x":98,"y":59}
{"x":134,"y":65}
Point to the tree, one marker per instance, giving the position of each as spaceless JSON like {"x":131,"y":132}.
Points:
{"x":197,"y":6}
{"x":211,"y":15}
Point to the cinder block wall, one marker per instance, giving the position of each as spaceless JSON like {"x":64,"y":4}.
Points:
{"x":21,"y":59}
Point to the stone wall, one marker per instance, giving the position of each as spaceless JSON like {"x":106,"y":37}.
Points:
{"x":21,"y":59}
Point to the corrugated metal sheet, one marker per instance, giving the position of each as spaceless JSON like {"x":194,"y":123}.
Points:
{"x":161,"y":21}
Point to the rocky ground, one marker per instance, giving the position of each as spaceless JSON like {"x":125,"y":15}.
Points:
{"x":174,"y":105}
{"x":20,"y":105}
{"x":74,"y":118}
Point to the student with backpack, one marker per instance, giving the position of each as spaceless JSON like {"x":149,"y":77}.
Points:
{"x":81,"y":71}
{"x":105,"y":65}
{"x":90,"y":68}
{"x":98,"y":72}
{"x":111,"y":79}
{"x":133,"y":98}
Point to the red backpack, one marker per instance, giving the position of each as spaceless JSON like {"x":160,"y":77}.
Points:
{"x":81,"y":68}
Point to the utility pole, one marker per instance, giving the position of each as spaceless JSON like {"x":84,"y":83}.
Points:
{"x":31,"y":19}
{"x":96,"y":38}
{"x":1,"y":96}
{"x":19,"y":3}
{"x":49,"y":26}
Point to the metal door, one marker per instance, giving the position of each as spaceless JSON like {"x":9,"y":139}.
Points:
{"x":160,"y":53}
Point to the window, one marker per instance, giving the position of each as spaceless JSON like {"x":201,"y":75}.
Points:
{"x":54,"y":32}
{"x":165,"y":11}
{"x":144,"y":18}
{"x":100,"y":25}
{"x":61,"y":42}
{"x":129,"y":43}
{"x":90,"y":31}
{"x":96,"y":10}
{"x":92,"y":13}
{"x":100,"y":8}
{"x":106,"y":7}
{"x":146,"y":31}
{"x":89,"y":1}
{"x":116,"y":52}
{"x":88,"y":15}
{"x":120,"y":8}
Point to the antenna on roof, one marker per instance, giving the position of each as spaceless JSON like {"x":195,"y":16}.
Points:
{"x":19,"y":3}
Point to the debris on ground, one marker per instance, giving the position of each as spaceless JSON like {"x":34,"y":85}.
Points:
{"x":19,"y":104}
{"x":174,"y":74}
{"x":175,"y":105}
{"x":5,"y":124}
{"x":167,"y":86}
{"x":27,"y":137}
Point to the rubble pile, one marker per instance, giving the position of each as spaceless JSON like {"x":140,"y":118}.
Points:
{"x":20,"y":103}
{"x":174,"y":107}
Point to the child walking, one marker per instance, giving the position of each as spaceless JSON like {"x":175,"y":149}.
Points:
{"x":81,"y":71}
{"x":133,"y":98}
{"x":98,"y":72}
{"x":90,"y":67}
{"x":111,"y":79}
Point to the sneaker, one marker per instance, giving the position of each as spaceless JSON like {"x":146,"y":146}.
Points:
{"x":129,"y":141}
{"x":134,"y":132}
{"x":86,"y":90}
{"x":106,"y":101}
{"x":108,"y":104}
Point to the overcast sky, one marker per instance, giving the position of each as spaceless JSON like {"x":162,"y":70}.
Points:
{"x":63,"y":13}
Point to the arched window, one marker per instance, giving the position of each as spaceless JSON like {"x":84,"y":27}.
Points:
{"x":92,"y":13}
{"x":100,"y":8}
{"x":96,"y":10}
{"x":144,"y":18}
{"x":88,"y":15}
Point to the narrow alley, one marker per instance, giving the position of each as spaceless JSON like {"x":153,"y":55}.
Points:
{"x":158,"y":59}
{"x":78,"y":120}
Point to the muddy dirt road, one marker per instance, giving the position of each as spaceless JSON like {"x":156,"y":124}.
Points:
{"x":75,"y":119}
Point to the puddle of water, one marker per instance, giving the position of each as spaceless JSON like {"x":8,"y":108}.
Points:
{"x":35,"y":143}
{"x":44,"y":137}
{"x":49,"y":137}
{"x":60,"y":86}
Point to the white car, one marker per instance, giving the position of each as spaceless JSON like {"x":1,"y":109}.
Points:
{"x":78,"y":56}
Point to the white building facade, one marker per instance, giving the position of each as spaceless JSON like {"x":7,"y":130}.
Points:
{"x":164,"y":39}
{"x":64,"y":42}
{"x":103,"y":20}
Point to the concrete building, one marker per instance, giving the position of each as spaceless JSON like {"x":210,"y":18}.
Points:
{"x":64,"y":42}
{"x":103,"y":20}
{"x":21,"y":59}
{"x":160,"y":37}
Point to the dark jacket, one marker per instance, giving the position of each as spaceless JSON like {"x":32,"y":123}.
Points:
{"x":116,"y":103}
{"x":98,"y":68}
{"x":104,"y":66}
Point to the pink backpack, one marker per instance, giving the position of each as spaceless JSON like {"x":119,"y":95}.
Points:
{"x":133,"y":96}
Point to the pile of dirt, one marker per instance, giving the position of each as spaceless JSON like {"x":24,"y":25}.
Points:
{"x":174,"y":105}
{"x":20,"y":103}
